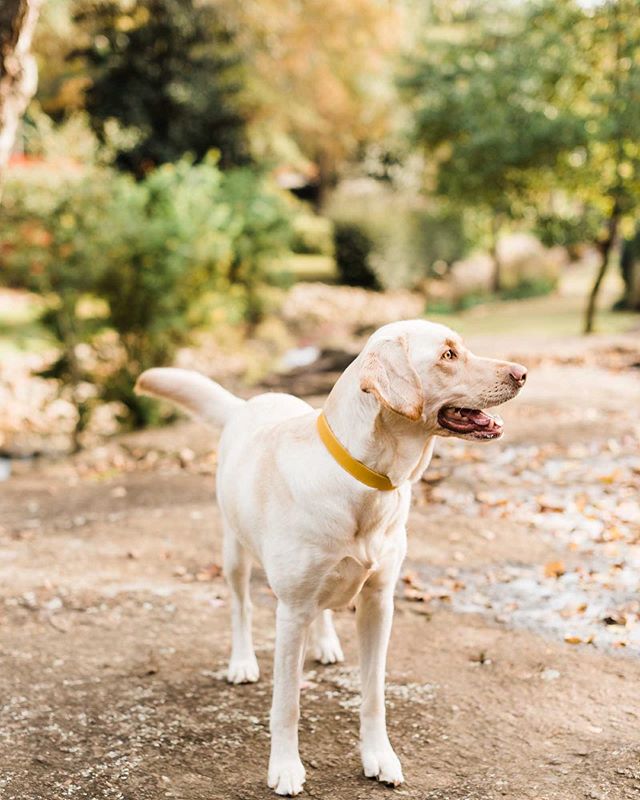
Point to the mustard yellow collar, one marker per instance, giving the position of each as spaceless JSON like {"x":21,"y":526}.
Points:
{"x":349,"y":464}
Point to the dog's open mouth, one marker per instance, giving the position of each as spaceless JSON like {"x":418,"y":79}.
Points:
{"x":470,"y":422}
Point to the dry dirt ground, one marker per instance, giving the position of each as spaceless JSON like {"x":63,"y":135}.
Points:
{"x":113,"y":617}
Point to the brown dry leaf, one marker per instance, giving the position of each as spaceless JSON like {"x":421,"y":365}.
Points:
{"x":411,"y":579}
{"x":554,"y":569}
{"x":480,"y":658}
{"x":435,"y":475}
{"x":612,"y":477}
{"x":571,"y":611}
{"x":416,"y":596}
{"x":491,"y":499}
{"x":209,"y":573}
{"x":615,"y":618}
{"x":612,"y":534}
{"x":547,"y":504}
{"x":572,"y":639}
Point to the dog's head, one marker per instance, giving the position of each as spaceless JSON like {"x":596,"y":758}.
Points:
{"x":423,"y":372}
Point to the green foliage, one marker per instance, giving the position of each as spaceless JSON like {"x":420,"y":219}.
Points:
{"x":412,"y":243}
{"x":529,"y":287}
{"x":520,"y":104}
{"x":568,"y":230}
{"x":258,"y":226}
{"x":353,"y":248}
{"x":167,"y":72}
{"x":484,"y":108}
{"x":312,"y":235}
{"x":124,"y":266}
{"x":410,"y":240}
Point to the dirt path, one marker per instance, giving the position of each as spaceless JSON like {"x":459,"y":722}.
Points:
{"x":114,"y":620}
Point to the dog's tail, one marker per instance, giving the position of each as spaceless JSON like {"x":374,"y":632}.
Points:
{"x":192,"y":391}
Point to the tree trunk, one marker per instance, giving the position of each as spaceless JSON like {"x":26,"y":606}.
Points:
{"x":496,"y":277}
{"x":18,"y":71}
{"x":630,"y":269}
{"x":632,"y":297}
{"x":605,"y":251}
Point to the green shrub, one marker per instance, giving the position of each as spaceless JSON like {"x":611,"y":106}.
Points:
{"x":407,"y":237}
{"x":312,"y":235}
{"x":529,"y":287}
{"x":353,"y":249}
{"x":124,"y":266}
{"x":258,"y":224}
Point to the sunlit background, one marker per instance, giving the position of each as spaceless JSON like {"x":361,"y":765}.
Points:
{"x":210,"y":176}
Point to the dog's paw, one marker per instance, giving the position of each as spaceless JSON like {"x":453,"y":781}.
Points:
{"x":328,"y":650}
{"x":287,"y":777}
{"x":243,"y":670}
{"x":382,"y":764}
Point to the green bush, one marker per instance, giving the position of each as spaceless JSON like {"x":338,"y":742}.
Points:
{"x":353,"y":249}
{"x":407,"y":238}
{"x":529,"y":287}
{"x":123,"y":267}
{"x":312,"y":235}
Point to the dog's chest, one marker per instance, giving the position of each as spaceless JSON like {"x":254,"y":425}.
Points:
{"x":375,"y":546}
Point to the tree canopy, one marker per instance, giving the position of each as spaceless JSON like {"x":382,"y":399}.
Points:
{"x":518,"y":107}
{"x":167,"y":73}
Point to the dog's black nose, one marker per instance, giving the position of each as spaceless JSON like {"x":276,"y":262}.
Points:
{"x":518,"y":374}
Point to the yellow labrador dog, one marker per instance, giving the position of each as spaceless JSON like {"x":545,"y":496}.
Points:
{"x":321,"y":500}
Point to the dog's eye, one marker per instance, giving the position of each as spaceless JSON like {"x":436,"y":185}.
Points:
{"x":449,"y":354}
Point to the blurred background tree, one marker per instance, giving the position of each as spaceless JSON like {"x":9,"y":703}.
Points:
{"x":525,"y":106}
{"x":599,"y":44}
{"x":320,"y":81}
{"x":167,"y":73}
{"x":484,"y":94}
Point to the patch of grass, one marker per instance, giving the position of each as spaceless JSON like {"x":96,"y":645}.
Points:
{"x":557,"y":314}
{"x":20,"y":330}
{"x":548,"y":316}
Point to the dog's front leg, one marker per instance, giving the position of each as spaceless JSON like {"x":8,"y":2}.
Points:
{"x":374,"y":613}
{"x":286,"y":773}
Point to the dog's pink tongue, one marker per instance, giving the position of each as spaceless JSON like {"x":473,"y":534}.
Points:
{"x":478,"y":417}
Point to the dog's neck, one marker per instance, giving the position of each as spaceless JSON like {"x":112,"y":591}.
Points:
{"x":381,"y":439}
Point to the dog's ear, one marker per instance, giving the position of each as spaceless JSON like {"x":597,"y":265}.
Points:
{"x":387,"y":372}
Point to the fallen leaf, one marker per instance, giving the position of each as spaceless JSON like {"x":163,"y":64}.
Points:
{"x":414,"y":594}
{"x":572,"y":639}
{"x":554,"y":569}
{"x":411,"y":579}
{"x":209,"y":573}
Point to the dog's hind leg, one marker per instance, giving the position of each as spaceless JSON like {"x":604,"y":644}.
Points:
{"x":243,"y":667}
{"x":324,"y":642}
